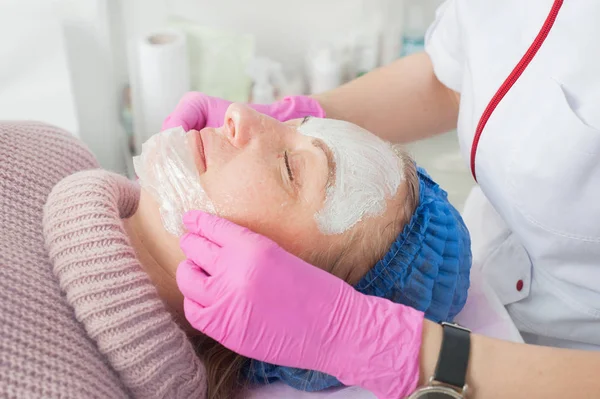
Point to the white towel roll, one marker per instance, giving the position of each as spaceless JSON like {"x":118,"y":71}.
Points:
{"x":163,"y":77}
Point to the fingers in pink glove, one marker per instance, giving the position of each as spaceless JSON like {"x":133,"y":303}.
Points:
{"x":267,"y":304}
{"x":197,"y":110}
{"x":211,"y":227}
{"x":291,"y":107}
{"x":194,"y":283}
{"x":196,"y":314}
{"x":189,"y":113}
{"x":201,"y":250}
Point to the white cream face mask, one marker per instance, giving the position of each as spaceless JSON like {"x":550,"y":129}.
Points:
{"x":367,"y":173}
{"x":167,"y":171}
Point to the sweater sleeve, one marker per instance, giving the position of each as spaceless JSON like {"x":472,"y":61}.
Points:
{"x":110,"y":293}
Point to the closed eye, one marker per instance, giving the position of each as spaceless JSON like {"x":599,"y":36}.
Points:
{"x":287,"y":165}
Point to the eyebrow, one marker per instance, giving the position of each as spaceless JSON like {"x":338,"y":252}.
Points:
{"x":318,"y":143}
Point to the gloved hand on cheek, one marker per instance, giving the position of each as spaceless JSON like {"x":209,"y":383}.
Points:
{"x":262,"y":302}
{"x":197,"y":110}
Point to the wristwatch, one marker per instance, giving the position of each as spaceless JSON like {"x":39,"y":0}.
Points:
{"x":448,"y":381}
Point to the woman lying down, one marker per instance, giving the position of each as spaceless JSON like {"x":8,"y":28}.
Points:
{"x":89,"y":305}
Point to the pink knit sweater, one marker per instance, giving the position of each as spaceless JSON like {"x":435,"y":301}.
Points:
{"x":78,"y":316}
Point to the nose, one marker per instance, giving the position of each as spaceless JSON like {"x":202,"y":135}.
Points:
{"x":239,"y":122}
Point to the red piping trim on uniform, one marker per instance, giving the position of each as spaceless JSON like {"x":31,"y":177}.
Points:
{"x":512,"y":79}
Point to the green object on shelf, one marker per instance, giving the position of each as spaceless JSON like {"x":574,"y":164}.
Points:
{"x":218,"y":60}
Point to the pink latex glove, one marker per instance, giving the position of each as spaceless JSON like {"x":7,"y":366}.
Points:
{"x":260,"y":301}
{"x":197,"y":111}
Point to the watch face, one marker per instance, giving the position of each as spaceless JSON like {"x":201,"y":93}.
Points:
{"x":434,"y":392}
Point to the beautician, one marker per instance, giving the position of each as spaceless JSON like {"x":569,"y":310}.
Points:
{"x":519,"y":82}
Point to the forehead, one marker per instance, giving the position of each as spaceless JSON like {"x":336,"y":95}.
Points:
{"x":367,"y":173}
{"x":312,"y":126}
{"x":347,"y":140}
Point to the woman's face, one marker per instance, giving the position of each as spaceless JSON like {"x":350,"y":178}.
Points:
{"x":263,"y":174}
{"x":269,"y":177}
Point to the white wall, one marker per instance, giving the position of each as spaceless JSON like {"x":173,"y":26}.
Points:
{"x":96,"y":56}
{"x":58,"y":66}
{"x":283,"y":29}
{"x":69,"y":71}
{"x":34,"y":77}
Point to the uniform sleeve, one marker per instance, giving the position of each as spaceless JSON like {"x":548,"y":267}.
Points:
{"x":443,"y":44}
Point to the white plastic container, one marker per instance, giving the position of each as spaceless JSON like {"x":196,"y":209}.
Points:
{"x":367,"y":37}
{"x":392,"y":31}
{"x":418,"y":16}
{"x":324,"y":69}
{"x":366,"y":49}
{"x":294,"y":85}
{"x":268,"y":80}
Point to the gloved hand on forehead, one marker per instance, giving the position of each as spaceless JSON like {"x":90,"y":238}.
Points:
{"x":246,"y":292}
{"x":197,"y":110}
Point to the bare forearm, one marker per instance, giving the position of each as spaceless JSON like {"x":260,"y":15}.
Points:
{"x":500,"y":369}
{"x":401,"y":102}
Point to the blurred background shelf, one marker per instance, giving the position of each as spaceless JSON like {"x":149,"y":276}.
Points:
{"x":66,"y":62}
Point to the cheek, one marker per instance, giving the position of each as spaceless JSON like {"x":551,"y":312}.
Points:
{"x":236,"y":188}
{"x":245,"y":192}
{"x":248,"y":195}
{"x":297,"y":235}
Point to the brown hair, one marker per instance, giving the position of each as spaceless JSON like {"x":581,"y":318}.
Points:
{"x":225,"y":369}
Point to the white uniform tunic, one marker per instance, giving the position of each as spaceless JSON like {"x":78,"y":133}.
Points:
{"x":536,"y":232}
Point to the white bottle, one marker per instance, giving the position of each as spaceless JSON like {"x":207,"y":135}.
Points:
{"x":366,"y":50}
{"x":294,"y":85}
{"x":367,"y":37}
{"x":392,"y":29}
{"x":415,"y":26}
{"x":324,"y":69}
{"x":263,"y":92}
{"x":263,"y":72}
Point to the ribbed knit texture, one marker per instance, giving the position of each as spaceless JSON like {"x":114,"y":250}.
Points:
{"x":80,"y":319}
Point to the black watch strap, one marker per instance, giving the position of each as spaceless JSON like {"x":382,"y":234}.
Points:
{"x":454,"y":356}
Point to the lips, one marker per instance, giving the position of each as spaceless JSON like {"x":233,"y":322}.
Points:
{"x":198,"y":150}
